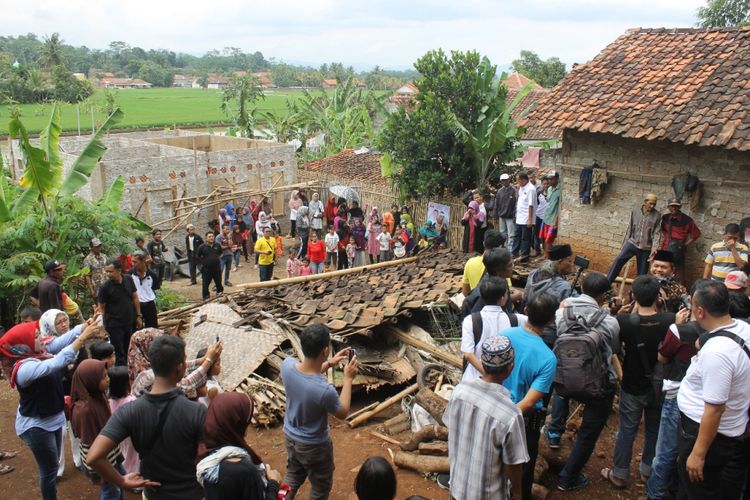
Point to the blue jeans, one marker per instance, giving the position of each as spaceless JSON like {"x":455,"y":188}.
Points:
{"x":46,"y":449}
{"x":632,"y":407}
{"x":559,"y":413}
{"x":628,"y":252}
{"x":237,"y":256}
{"x":265,"y":272}
{"x":664,"y":465}
{"x":507,"y":227}
{"x":536,"y":242}
{"x":595,"y":413}
{"x":111,"y":491}
{"x":522,"y":243}
{"x":317,"y":267}
{"x":226,"y":264}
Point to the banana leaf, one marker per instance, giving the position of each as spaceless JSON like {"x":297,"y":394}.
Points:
{"x":89,"y":157}
{"x":38,"y":174}
{"x":5,"y":213}
{"x":49,"y":142}
{"x":112,"y":197}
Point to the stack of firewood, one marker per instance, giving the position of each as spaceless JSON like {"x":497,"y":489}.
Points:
{"x":269,"y":400}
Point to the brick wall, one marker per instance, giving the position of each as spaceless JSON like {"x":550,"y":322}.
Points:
{"x":638,"y":167}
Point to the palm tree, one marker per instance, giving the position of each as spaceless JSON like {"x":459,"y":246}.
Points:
{"x":53,"y":52}
{"x":242,"y":93}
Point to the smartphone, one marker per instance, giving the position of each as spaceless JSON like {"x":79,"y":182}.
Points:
{"x":352,"y":353}
{"x":581,"y":262}
{"x":218,"y":339}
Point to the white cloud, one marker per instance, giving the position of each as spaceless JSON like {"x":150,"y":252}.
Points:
{"x":386,"y":32}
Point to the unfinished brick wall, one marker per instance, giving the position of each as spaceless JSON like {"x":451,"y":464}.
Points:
{"x":597,"y":231}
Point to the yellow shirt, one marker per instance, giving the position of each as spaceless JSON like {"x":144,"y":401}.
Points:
{"x":473,"y":272}
{"x":264,"y":245}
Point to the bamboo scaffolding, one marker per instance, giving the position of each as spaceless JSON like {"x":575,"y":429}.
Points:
{"x":180,"y":216}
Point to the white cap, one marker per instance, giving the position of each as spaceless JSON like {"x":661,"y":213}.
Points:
{"x":504,"y":177}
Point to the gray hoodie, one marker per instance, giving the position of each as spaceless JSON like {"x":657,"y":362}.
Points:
{"x":585,"y":307}
{"x":556,"y":286}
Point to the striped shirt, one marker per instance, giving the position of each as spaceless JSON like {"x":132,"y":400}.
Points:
{"x":486,"y":432}
{"x":723,"y":261}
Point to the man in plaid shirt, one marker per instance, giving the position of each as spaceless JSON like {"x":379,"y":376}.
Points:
{"x":486,"y":436}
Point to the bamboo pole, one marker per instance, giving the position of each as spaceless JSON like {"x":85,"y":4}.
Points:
{"x":183,"y":218}
{"x":252,"y":192}
{"x":330,"y":274}
{"x":424,"y":346}
{"x":383,"y":406}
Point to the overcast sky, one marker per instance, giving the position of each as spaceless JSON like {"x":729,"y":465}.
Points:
{"x":391,"y":33}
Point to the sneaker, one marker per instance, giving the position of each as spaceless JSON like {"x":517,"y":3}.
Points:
{"x":553,"y":439}
{"x":444,"y":481}
{"x":228,"y":283}
{"x":235,"y":269}
{"x":574,"y":484}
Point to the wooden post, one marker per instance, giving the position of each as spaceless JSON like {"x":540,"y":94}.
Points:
{"x":424,"y":346}
{"x":383,"y":406}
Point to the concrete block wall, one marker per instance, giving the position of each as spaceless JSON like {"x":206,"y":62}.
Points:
{"x":597,"y":231}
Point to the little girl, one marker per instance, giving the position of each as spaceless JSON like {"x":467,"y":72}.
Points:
{"x":351,"y":250}
{"x":292,"y":264}
{"x":88,"y":415}
{"x":305,"y":269}
{"x":384,"y":244}
{"x":119,"y":394}
{"x":208,"y":392}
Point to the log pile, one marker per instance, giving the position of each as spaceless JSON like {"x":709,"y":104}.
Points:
{"x":269,"y":400}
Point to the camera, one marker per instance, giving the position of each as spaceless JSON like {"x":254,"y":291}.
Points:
{"x":581,"y":262}
{"x":685,"y":301}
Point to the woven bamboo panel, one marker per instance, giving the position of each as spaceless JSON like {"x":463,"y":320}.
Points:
{"x":244,"y":348}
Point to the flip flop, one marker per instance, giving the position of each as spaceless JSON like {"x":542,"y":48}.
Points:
{"x":614,"y":481}
{"x":7,"y":454}
{"x":6,"y":469}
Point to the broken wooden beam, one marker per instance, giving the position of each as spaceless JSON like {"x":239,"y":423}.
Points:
{"x":383,"y":406}
{"x":425,"y":434}
{"x":422,"y":463}
{"x":434,"y":404}
{"x":424,"y":346}
{"x":437,"y":448}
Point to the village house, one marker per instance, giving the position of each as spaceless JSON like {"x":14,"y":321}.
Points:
{"x":123,"y":83}
{"x":653,"y":105}
{"x":183,"y":81}
{"x":329,"y":83}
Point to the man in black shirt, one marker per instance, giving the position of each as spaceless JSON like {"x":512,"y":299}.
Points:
{"x":156,"y":249}
{"x":209,"y":255}
{"x":120,"y":307}
{"x":192,"y":243}
{"x":165,"y":428}
{"x":48,"y":290}
{"x":641,"y":332}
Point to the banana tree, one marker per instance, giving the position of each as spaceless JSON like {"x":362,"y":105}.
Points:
{"x":42,"y":180}
{"x":494,"y":137}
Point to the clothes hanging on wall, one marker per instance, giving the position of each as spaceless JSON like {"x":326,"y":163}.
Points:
{"x":599,"y":180}
{"x":690,"y":184}
{"x":591,"y":184}
{"x":584,"y":185}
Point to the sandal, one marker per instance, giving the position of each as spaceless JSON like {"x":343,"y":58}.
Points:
{"x":4,"y":455}
{"x":6,"y":469}
{"x":614,"y":481}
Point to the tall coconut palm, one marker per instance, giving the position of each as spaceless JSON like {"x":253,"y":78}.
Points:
{"x":53,"y":52}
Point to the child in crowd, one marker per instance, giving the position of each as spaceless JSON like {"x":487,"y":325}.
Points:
{"x":29,"y":314}
{"x":236,"y":246}
{"x":332,"y":248}
{"x":305,"y":269}
{"x":212,"y":387}
{"x":279,"y":247}
{"x":119,"y":394}
{"x":89,"y":413}
{"x":292,"y":264}
{"x":101,"y":350}
{"x":351,"y":250}
{"x":384,"y":240}
{"x":399,"y":246}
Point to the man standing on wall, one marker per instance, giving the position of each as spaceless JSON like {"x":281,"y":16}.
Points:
{"x":640,"y":238}
{"x":505,"y":210}
{"x":525,"y":217}
{"x":192,"y":243}
{"x":678,"y":231}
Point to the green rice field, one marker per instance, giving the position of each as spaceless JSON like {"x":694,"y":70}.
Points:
{"x":159,"y":107}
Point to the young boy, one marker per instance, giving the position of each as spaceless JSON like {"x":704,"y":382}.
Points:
{"x":726,"y":256}
{"x":310,"y":398}
{"x":384,"y":239}
{"x":332,"y":248}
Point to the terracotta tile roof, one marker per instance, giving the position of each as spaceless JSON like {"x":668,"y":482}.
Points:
{"x":517,"y":81}
{"x":536,"y":130}
{"x":682,"y":85}
{"x":362,"y":168}
{"x":331,"y":82}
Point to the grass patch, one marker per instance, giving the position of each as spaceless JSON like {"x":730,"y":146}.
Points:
{"x":169,"y":299}
{"x":159,"y":107}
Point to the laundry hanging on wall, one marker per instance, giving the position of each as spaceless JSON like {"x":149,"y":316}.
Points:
{"x":591,"y":184}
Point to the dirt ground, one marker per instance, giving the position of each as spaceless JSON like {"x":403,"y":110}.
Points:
{"x":351,"y":446}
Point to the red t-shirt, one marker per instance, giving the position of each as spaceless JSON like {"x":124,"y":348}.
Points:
{"x":316,"y":251}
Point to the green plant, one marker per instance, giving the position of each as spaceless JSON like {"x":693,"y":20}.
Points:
{"x":167,"y":299}
{"x":238,"y":103}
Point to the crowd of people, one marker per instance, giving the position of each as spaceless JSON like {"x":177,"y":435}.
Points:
{"x":672,"y":357}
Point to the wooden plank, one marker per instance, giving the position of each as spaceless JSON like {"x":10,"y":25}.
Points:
{"x":424,"y":346}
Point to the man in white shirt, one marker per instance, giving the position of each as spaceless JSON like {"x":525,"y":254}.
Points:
{"x":146,"y":284}
{"x":525,"y":217}
{"x":713,"y":400}
{"x":494,"y":321}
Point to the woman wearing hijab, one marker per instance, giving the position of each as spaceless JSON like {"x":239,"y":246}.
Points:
{"x":303,"y":229}
{"x":409,"y":224}
{"x":330,"y":209}
{"x":89,"y":413}
{"x":223,"y":219}
{"x":229,"y":467}
{"x":358,"y":232}
{"x":374,"y":228}
{"x":389,"y":222}
{"x":317,"y":211}
{"x":140,"y":343}
{"x":295,"y":202}
{"x":38,"y":376}
{"x":428,"y":234}
{"x":472,"y":221}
